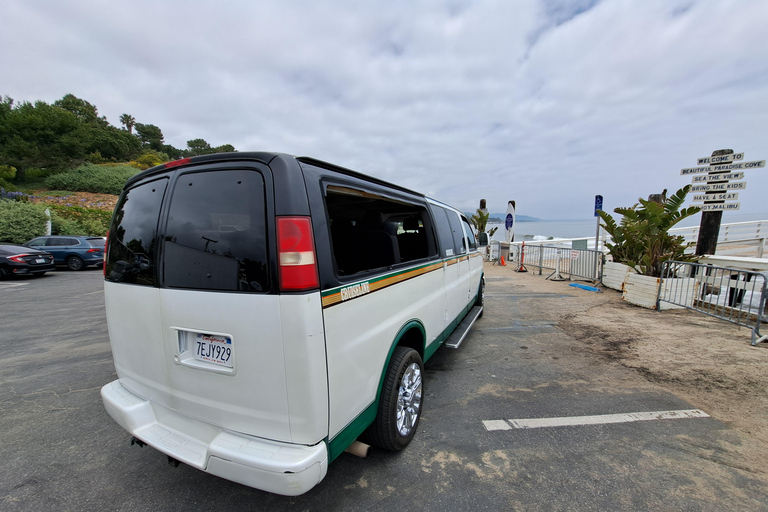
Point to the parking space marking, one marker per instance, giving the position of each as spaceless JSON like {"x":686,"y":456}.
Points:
{"x":602,"y":419}
{"x":12,"y":285}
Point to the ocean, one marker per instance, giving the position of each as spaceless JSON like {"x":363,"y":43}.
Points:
{"x":581,"y":228}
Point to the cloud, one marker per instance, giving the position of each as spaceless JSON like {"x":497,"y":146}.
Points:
{"x":546,"y":102}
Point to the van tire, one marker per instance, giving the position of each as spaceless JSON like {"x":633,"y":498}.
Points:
{"x":481,"y":297}
{"x":404,"y":377}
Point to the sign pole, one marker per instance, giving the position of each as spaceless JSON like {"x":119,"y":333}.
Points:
{"x":598,"y":207}
{"x":709,"y":227}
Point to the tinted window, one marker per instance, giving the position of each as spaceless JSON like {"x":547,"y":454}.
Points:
{"x":216,"y":238}
{"x":131,"y":253}
{"x":459,"y":244}
{"x":37,"y":242}
{"x":96,"y":242}
{"x":443,"y":230}
{"x":370,"y":231}
{"x":469,"y":234}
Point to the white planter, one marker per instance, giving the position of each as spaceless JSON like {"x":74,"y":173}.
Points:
{"x":614,"y":275}
{"x":643,"y":290}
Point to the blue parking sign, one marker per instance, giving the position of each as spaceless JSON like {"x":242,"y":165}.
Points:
{"x":598,"y":204}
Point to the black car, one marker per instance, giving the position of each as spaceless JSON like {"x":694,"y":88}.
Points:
{"x":17,"y":260}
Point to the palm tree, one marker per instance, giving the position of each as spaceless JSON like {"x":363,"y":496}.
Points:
{"x":128,"y":121}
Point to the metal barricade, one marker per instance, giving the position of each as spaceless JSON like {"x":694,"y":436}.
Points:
{"x":730,"y":294}
{"x":583,"y":263}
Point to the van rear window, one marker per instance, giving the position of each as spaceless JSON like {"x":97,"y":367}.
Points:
{"x":132,"y":235}
{"x":216,"y":237}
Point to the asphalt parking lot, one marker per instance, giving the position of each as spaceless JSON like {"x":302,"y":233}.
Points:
{"x":61,"y":451}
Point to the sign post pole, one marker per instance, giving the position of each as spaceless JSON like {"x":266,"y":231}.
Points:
{"x":598,"y":207}
{"x":709,"y":227}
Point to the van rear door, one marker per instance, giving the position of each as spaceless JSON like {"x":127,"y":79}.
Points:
{"x":211,"y":332}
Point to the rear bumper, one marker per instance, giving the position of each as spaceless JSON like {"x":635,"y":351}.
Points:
{"x":281,"y":468}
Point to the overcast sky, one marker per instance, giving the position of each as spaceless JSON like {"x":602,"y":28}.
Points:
{"x":547,"y":102}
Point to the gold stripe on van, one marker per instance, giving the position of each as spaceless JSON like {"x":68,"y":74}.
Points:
{"x":348,"y":292}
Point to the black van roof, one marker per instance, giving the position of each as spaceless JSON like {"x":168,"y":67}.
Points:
{"x":264,"y":157}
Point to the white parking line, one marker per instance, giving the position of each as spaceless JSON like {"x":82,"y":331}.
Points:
{"x":603,"y":419}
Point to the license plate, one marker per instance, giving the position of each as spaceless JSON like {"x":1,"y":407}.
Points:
{"x":214,"y":349}
{"x":40,"y":260}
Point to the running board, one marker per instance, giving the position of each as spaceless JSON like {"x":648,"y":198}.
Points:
{"x":463,"y":328}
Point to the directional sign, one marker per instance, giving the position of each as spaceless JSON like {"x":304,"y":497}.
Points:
{"x":720,"y":159}
{"x":722,"y":207}
{"x":718,"y":177}
{"x":738,"y":166}
{"x":730,"y":196}
{"x":719,"y":187}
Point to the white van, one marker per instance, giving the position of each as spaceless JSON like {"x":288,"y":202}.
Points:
{"x":265,"y":311}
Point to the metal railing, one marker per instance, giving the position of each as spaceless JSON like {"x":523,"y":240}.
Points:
{"x":734,"y":295}
{"x":736,"y":238}
{"x":583,"y":263}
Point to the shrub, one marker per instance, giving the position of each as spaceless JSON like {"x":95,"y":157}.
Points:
{"x":74,"y":220}
{"x":63,"y":226}
{"x":105,"y":179}
{"x":21,"y":222}
{"x":642,"y":240}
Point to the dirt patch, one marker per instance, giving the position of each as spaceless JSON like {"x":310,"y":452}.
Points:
{"x":89,"y":200}
{"x":709,"y":363}
{"x":706,"y":362}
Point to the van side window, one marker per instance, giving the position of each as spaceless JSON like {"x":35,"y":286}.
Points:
{"x":459,"y":243}
{"x":216,"y":238}
{"x":369,"y":231}
{"x":443,"y":229}
{"x":131,"y":253}
{"x":469,"y":234}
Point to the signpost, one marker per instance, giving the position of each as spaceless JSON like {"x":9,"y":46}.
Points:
{"x":598,"y":207}
{"x":716,"y":184}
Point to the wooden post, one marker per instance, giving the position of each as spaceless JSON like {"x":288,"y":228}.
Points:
{"x":709,"y":228}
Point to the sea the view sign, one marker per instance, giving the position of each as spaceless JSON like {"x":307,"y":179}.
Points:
{"x":718,"y":177}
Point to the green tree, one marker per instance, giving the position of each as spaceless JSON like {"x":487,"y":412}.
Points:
{"x":225,"y":148}
{"x":84,"y":111}
{"x":150,"y":136}
{"x":480,"y":221}
{"x":38,"y":135}
{"x":198,"y":147}
{"x":128,"y":122}
{"x":642,"y":240}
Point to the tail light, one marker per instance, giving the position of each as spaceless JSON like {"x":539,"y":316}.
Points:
{"x":296,"y":254}
{"x":104,"y":265}
{"x":19,"y":258}
{"x":94,"y":250}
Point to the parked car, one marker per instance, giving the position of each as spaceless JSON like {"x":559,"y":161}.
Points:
{"x":76,"y":252}
{"x":265,"y":311}
{"x":18,"y":260}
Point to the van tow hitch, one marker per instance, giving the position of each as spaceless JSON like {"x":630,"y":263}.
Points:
{"x":139,"y":442}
